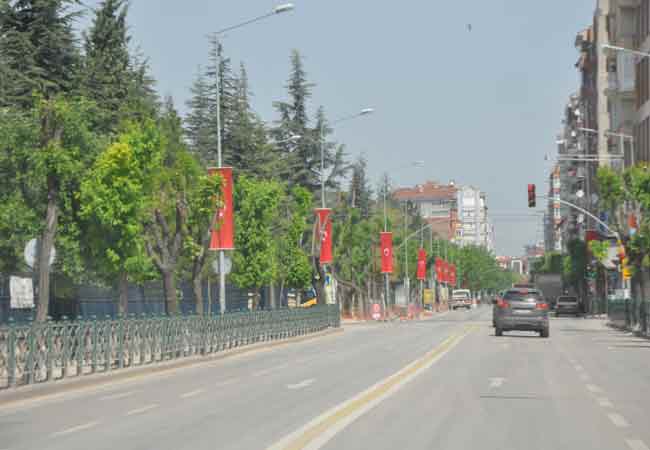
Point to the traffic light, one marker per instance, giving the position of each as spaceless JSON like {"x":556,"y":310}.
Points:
{"x":532,"y":198}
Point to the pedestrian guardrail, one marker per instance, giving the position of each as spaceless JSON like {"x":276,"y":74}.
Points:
{"x":41,"y":352}
{"x":630,"y":313}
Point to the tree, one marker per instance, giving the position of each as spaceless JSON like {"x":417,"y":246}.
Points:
{"x":200,"y":136}
{"x":167,"y":218}
{"x":255,"y":262}
{"x":360,"y":192}
{"x":38,"y":49}
{"x":43,"y":159}
{"x":294,"y":270}
{"x":203,"y":199}
{"x":248,"y":145}
{"x":107,"y":72}
{"x":115,"y":197}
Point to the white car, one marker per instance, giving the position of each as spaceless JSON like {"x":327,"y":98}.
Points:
{"x":461,"y":298}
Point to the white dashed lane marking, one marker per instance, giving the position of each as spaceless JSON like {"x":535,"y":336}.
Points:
{"x":141,"y":410}
{"x":584,"y":377}
{"x":76,"y":429}
{"x":593,"y":388}
{"x":605,"y":403}
{"x":118,"y":396}
{"x":192,"y":393}
{"x":636,"y":444}
{"x":261,"y":373}
{"x":618,"y":420}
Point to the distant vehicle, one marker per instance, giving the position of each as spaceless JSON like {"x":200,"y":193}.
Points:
{"x":499,"y":295}
{"x":461,"y":298}
{"x":522,"y":309}
{"x":551,"y":285}
{"x":567,"y":304}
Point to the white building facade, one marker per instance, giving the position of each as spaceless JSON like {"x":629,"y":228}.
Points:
{"x":473,"y":226}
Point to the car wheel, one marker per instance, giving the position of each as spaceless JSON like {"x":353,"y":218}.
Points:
{"x":498,"y":331}
{"x":544,"y":333}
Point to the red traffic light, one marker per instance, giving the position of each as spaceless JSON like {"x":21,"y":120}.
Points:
{"x":532,"y":198}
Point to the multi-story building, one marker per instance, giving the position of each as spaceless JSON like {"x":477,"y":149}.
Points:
{"x":622,"y":32}
{"x":642,"y":82}
{"x":436,"y":203}
{"x":459,"y":214}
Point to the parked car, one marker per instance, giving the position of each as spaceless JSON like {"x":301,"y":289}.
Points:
{"x":461,"y":298}
{"x":522,"y":309}
{"x":567,"y":304}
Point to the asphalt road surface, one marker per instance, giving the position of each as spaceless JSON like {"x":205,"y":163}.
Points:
{"x":445,"y":383}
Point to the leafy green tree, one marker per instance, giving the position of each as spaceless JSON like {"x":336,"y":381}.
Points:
{"x":43,"y":155}
{"x":198,"y":125}
{"x":115,"y":197}
{"x":255,"y":261}
{"x":203,"y":199}
{"x":38,"y":50}
{"x":294,"y":270}
{"x":167,"y":219}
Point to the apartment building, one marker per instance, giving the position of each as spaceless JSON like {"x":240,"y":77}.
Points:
{"x":456,"y":213}
{"x":436,"y":203}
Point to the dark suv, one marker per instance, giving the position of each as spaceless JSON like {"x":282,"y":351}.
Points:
{"x":521,"y":309}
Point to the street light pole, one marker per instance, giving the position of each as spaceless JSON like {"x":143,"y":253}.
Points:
{"x":286,"y":7}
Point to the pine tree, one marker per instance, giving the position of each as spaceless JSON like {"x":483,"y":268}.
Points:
{"x":219,"y":76}
{"x":197,"y":123}
{"x":38,"y":48}
{"x":360,"y":192}
{"x":301,"y":161}
{"x":107,"y":73}
{"x":248,"y":145}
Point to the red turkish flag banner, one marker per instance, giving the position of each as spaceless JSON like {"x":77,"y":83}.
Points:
{"x":386,"y":243}
{"x":439,"y":270}
{"x":422,"y":265}
{"x":223,"y":234}
{"x":324,"y":229}
{"x":445,"y":272}
{"x":452,"y":275}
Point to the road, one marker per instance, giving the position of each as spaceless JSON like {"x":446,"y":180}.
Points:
{"x":445,"y":383}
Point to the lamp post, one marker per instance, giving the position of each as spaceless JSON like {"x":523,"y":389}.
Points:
{"x":282,"y":8}
{"x":417,"y":164}
{"x":363,"y":112}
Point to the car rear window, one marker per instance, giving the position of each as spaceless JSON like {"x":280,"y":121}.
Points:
{"x":523,"y":296}
{"x":568,"y":299}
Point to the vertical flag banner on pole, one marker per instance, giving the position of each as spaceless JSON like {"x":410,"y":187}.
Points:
{"x":439,"y":270}
{"x":445,"y":272}
{"x":324,"y":229}
{"x":223,"y":237}
{"x":453,"y":275}
{"x":422,"y":264}
{"x":386,"y":241}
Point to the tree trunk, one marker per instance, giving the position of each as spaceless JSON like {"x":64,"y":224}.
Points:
{"x":272,"y":298}
{"x":46,"y":244}
{"x":197,"y":290}
{"x":169,"y":287}
{"x":123,"y":301}
{"x":319,"y":281}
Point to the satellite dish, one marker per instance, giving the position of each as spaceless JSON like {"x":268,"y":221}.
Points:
{"x":581,"y":218}
{"x":227,"y":262}
{"x":31,"y":250}
{"x":580,"y":193}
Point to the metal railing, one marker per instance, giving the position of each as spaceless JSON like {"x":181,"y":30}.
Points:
{"x":42,"y":352}
{"x":633,"y":314}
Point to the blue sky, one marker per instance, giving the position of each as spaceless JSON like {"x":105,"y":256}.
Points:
{"x":479,"y":107}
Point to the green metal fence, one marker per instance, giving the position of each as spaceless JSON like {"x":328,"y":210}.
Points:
{"x":41,"y":352}
{"x":630,"y":313}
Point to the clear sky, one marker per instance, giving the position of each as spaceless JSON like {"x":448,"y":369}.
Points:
{"x":479,"y":107}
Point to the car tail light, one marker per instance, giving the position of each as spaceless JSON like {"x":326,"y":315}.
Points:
{"x":502,"y":303}
{"x":542,"y":306}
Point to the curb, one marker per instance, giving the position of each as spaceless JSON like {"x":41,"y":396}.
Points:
{"x":14,"y":397}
